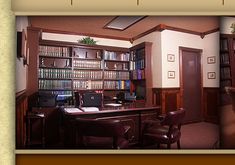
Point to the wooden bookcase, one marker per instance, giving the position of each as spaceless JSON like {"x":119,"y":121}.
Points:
{"x":140,"y":70}
{"x":62,"y":68}
{"x":227,"y":65}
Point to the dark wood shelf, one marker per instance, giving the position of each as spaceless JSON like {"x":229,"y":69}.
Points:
{"x":120,"y":61}
{"x":224,"y":65}
{"x":86,"y":59}
{"x":116,"y":70}
{"x":55,"y":57}
{"x":86,"y":79}
{"x":55,"y":78}
{"x":116,"y":89}
{"x":51,"y":67}
{"x":91,"y":69}
{"x":65,"y":89}
{"x":115,"y":79}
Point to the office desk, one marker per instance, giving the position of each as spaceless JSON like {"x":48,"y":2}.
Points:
{"x":130,"y":114}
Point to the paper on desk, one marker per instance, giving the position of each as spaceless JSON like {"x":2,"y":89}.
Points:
{"x":89,"y":109}
{"x":72,"y":110}
{"x":113,"y":104}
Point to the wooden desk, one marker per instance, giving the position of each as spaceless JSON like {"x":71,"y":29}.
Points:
{"x":130,"y":114}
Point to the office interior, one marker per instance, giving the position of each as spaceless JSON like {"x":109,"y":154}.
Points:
{"x":129,"y":75}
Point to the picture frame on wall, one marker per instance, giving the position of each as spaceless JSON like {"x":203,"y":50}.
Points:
{"x":211,"y":60}
{"x":170,"y":57}
{"x":171,"y":75}
{"x":211,"y":75}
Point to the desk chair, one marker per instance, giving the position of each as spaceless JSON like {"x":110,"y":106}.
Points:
{"x":166,"y":130}
{"x":101,"y":134}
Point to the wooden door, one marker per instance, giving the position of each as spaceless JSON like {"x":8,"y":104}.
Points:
{"x":190,"y":85}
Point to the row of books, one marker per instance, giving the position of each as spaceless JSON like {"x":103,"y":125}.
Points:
{"x":54,"y":84}
{"x":224,"y":58}
{"x":223,"y":44}
{"x":86,"y":64}
{"x":109,"y":55}
{"x":139,"y":64}
{"x":54,"y":73}
{"x":120,"y":84}
{"x":58,"y":93}
{"x":225,"y":83}
{"x":225,"y":72}
{"x":116,"y":75}
{"x":54,"y":51}
{"x":87,"y":84}
{"x":138,"y":74}
{"x":87,"y":74}
{"x":138,"y":54}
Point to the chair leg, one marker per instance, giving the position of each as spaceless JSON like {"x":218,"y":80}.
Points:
{"x":178,"y":144}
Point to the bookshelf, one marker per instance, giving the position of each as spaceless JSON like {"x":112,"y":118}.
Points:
{"x":63,"y":68}
{"x":227,"y":65}
{"x":140,"y":71}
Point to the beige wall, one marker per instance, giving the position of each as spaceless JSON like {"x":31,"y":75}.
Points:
{"x":225,"y":23}
{"x":21,"y":70}
{"x":171,"y":41}
{"x":75,"y":38}
{"x":156,"y":63}
{"x":168,"y":42}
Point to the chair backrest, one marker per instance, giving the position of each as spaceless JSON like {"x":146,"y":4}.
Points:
{"x":100,"y":128}
{"x":174,"y":117}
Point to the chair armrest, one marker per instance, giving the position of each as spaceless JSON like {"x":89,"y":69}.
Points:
{"x":161,"y":117}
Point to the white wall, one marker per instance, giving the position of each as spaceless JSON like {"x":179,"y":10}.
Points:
{"x":225,"y":23}
{"x":21,"y":70}
{"x":75,"y":38}
{"x":156,"y":63}
{"x":211,"y":48}
{"x":168,"y":42}
{"x":171,"y":41}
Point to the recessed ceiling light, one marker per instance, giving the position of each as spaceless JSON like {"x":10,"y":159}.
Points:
{"x":123,"y":22}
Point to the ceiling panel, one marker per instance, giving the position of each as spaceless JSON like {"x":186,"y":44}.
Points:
{"x":94,"y":25}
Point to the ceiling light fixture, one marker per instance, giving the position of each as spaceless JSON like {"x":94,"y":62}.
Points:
{"x":123,"y":22}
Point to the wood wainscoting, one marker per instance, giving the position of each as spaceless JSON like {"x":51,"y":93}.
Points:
{"x":211,"y":101}
{"x":21,"y":109}
{"x":169,"y":99}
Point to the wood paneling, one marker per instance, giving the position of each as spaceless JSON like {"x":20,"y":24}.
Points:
{"x":33,"y":42}
{"x":211,"y":104}
{"x":21,"y":109}
{"x":167,"y":98}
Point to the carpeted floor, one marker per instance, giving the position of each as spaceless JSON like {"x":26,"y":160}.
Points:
{"x":201,"y":135}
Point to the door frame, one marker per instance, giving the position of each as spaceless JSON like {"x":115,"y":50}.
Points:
{"x":199,"y":52}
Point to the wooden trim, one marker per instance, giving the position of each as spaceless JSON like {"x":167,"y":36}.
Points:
{"x":211,"y":31}
{"x":74,"y":44}
{"x":21,"y":108}
{"x":84,"y":34}
{"x":162,"y":27}
{"x":161,"y":96}
{"x":211,"y":103}
{"x":20,"y":93}
{"x":181,"y":49}
{"x":105,"y":26}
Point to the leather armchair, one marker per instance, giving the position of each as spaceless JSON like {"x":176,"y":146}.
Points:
{"x":166,"y":130}
{"x":101,"y":134}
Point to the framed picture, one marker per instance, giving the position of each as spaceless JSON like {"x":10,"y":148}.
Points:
{"x":171,"y":74}
{"x":170,"y":57}
{"x":211,"y":75}
{"x":211,"y":60}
